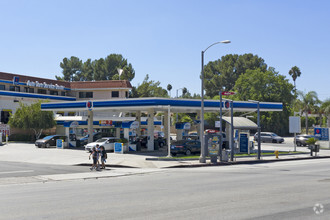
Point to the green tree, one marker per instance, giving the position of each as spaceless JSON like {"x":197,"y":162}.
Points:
{"x":99,"y":70}
{"x":169,"y":88}
{"x":325,"y":106}
{"x":87,"y":73}
{"x":71,"y":69}
{"x":295,"y":72}
{"x":225,"y":71}
{"x":74,"y":69}
{"x":307,"y":104}
{"x":267,"y":86}
{"x":31,"y":117}
{"x":148,"y":88}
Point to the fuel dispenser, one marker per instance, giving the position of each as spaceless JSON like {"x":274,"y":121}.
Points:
{"x":182,"y":129}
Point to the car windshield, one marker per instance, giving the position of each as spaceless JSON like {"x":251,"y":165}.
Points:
{"x":49,"y":137}
{"x":274,"y":135}
{"x":102,"y":140}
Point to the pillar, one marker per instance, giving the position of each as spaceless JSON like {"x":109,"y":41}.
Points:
{"x":138,"y":118}
{"x":117,"y":132}
{"x":150,"y":130}
{"x":199,"y":125}
{"x":90,"y":126}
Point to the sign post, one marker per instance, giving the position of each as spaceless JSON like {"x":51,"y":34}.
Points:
{"x":294,"y":127}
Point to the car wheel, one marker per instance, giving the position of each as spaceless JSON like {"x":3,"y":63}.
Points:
{"x":188,"y":152}
{"x":274,"y":141}
{"x":47,"y":145}
{"x":161,"y":144}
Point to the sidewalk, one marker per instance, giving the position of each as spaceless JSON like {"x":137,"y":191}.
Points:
{"x":22,"y":152}
{"x":117,"y":164}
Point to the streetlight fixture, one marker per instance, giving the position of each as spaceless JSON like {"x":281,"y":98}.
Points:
{"x":202,"y":158}
{"x":259,"y":128}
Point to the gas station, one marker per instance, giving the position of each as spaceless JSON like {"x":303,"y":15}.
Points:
{"x":100,"y":113}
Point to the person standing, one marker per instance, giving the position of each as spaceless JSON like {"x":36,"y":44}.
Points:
{"x":95,"y":159}
{"x":104,"y":157}
{"x":98,"y":151}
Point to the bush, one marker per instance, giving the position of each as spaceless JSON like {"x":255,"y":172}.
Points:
{"x":21,"y":137}
{"x":123,"y":140}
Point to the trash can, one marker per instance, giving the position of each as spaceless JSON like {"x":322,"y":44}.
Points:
{"x":156,"y":145}
{"x":225,"y":154}
{"x":138,"y":145}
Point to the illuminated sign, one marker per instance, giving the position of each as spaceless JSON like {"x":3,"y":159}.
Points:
{"x":16,"y":80}
{"x":44,"y":85}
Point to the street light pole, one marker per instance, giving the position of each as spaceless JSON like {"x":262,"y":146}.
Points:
{"x":221,"y":136}
{"x":259,"y":128}
{"x":202,"y":158}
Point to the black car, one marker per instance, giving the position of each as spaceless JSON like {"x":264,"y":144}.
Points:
{"x":187,"y":147}
{"x":301,"y":139}
{"x":49,"y":141}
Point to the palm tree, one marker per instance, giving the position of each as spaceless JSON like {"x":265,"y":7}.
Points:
{"x":326,"y":110}
{"x":169,"y":88}
{"x":307,"y":103}
{"x":295,"y":73}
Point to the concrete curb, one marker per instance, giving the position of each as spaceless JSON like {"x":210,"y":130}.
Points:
{"x":193,"y":159}
{"x":247,"y":162}
{"x":107,"y":165}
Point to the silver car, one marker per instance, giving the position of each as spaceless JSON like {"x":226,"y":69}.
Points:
{"x":107,"y":142}
{"x":269,"y":137}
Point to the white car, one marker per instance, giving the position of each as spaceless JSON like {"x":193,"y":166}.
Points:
{"x":107,"y":142}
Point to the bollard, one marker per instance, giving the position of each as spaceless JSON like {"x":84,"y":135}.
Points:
{"x":276,"y":154}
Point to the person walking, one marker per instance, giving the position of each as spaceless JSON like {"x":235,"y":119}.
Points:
{"x":95,"y":159}
{"x":98,"y":151}
{"x":104,"y":157}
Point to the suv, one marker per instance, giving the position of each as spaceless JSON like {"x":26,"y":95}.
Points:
{"x":49,"y":141}
{"x":268,"y":137}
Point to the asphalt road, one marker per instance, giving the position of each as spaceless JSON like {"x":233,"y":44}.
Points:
{"x":17,"y":169}
{"x":281,"y":190}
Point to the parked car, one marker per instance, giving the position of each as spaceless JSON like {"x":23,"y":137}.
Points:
{"x":268,"y":137}
{"x":107,"y":142}
{"x":49,"y":141}
{"x":187,"y":147}
{"x":301,"y":139}
{"x":96,"y":136}
{"x":144,"y":140}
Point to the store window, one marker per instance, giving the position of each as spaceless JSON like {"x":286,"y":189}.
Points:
{"x":14,"y":88}
{"x":53,"y":92}
{"x":42,"y":91}
{"x":5,"y":114}
{"x":83,"y":95}
{"x":29,"y":90}
{"x":62,"y":93}
{"x":2,"y":87}
{"x":115,"y":94}
{"x":60,"y":113}
{"x":126,"y":94}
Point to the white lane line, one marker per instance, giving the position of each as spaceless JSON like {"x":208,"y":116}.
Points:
{"x":18,"y":171}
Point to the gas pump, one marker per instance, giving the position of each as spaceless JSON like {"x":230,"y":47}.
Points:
{"x":182,"y":129}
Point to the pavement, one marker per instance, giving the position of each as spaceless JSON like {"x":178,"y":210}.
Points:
{"x":130,"y":163}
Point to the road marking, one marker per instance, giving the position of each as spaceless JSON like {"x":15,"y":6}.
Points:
{"x":18,"y":171}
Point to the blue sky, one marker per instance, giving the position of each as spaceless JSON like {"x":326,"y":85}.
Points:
{"x":165,"y":38}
